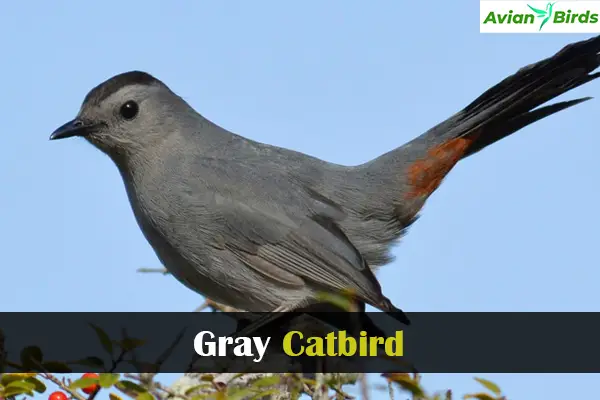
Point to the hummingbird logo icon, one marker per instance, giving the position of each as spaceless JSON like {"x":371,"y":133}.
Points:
{"x":545,"y":14}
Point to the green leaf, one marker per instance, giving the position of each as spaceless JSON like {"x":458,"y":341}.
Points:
{"x":57,"y":367}
{"x":25,"y":386}
{"x":83,"y":383}
{"x":31,"y":356}
{"x":335,"y":379}
{"x":145,"y":396}
{"x":129,"y":386}
{"x":219,"y":395}
{"x":406,"y":383}
{"x":237,"y":393}
{"x":38,"y":385}
{"x":489,"y":385}
{"x":11,"y":377}
{"x":15,"y":391}
{"x":412,"y":387}
{"x":108,"y":380}
{"x":95,"y":362}
{"x":200,"y":397}
{"x":266,"y":381}
{"x":104,"y":339}
{"x":196,"y":387}
{"x":479,"y":396}
{"x":266,"y":394}
{"x":308,"y":381}
{"x":295,"y":393}
{"x":113,"y":396}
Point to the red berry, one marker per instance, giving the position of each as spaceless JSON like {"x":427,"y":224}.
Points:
{"x":57,"y":396}
{"x":92,"y":388}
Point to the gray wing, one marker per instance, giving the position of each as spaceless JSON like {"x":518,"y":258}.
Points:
{"x":268,"y":216}
{"x":287,"y":247}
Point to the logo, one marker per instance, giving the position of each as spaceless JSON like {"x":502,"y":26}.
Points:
{"x":545,"y":14}
{"x":539,"y":16}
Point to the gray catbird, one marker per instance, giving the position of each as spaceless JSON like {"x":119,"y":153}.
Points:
{"x":262,"y":228}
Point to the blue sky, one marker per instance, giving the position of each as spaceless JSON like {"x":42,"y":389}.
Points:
{"x":513,"y":228}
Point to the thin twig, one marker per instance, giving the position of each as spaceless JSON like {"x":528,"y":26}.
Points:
{"x":307,"y":389}
{"x":59,"y":383}
{"x":156,"y":385}
{"x":364,"y":386}
{"x":163,"y":271}
{"x":321,"y":389}
{"x":345,"y":395}
{"x":115,"y":363}
{"x":202,"y":307}
{"x":221,"y":307}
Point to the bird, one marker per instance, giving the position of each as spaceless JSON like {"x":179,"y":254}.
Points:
{"x":263,"y":228}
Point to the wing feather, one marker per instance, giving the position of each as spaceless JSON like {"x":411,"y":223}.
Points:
{"x":296,"y":249}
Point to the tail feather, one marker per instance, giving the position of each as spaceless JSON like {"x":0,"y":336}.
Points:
{"x":495,"y":134}
{"x":511,"y":104}
{"x":393,"y":311}
{"x":501,"y":111}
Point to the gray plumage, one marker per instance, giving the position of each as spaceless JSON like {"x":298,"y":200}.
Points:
{"x":264,"y":228}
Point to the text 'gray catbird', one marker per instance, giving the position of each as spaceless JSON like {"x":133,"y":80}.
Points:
{"x":262,"y":228}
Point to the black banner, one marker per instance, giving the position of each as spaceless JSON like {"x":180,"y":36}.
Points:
{"x":203,"y":342}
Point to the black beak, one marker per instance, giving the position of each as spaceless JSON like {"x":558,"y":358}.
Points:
{"x":72,"y":128}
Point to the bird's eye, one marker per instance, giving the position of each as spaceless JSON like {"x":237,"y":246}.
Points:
{"x":129,"y":110}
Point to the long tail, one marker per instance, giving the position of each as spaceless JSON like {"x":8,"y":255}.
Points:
{"x":504,"y":109}
{"x":509,"y":106}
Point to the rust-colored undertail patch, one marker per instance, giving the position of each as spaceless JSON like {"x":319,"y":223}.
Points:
{"x":426,"y":175}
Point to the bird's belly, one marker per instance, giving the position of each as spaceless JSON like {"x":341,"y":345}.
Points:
{"x":225,"y":282}
{"x":231,"y":285}
{"x":212,"y":273}
{"x":182,"y":270}
{"x":200,"y":280}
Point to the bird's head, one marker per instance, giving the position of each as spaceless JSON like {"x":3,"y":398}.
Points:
{"x":124,"y":114}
